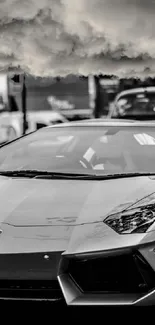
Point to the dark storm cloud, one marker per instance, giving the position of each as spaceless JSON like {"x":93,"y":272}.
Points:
{"x":60,"y":37}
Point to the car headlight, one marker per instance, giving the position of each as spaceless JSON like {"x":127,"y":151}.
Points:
{"x":135,"y":220}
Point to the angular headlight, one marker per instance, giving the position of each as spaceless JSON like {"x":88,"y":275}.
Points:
{"x":135,"y":220}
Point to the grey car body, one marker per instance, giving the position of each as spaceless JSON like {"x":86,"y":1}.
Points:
{"x":76,"y":225}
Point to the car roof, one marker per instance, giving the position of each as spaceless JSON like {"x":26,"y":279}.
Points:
{"x":104,"y":122}
{"x":135,"y":91}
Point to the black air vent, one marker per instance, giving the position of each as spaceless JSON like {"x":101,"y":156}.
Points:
{"x":114,"y":274}
{"x":31,"y":289}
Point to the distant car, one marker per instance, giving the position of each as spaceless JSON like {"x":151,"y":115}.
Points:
{"x":77,"y":214}
{"x":11,"y":122}
{"x":137,"y":104}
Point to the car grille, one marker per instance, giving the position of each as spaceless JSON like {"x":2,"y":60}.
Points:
{"x":114,"y":274}
{"x":44,"y":290}
{"x":30,"y":276}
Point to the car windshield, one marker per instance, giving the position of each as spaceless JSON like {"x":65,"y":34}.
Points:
{"x":83,"y":150}
{"x":136,"y":106}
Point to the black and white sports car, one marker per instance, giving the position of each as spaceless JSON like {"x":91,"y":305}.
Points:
{"x":77,"y":214}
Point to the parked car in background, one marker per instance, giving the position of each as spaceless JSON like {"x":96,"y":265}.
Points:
{"x":11,"y":120}
{"x":137,"y":104}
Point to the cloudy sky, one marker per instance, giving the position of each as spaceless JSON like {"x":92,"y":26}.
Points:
{"x":60,"y":37}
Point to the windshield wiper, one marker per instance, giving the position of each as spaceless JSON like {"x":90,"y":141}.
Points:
{"x":121,"y":175}
{"x":43,"y":174}
{"x":18,"y":173}
{"x":62,"y":175}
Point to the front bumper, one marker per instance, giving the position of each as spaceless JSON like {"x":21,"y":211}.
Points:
{"x":109,"y":278}
{"x":117,"y":282}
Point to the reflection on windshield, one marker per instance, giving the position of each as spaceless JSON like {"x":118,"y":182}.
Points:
{"x":145,"y":139}
{"x":83,"y":150}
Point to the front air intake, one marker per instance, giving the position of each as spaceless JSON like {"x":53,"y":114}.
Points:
{"x":127,"y":273}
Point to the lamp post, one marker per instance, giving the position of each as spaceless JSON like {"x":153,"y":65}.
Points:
{"x":95,"y":98}
{"x":24,"y":108}
{"x":17,"y":84}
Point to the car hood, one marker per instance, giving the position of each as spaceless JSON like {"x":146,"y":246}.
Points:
{"x":66,"y":215}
